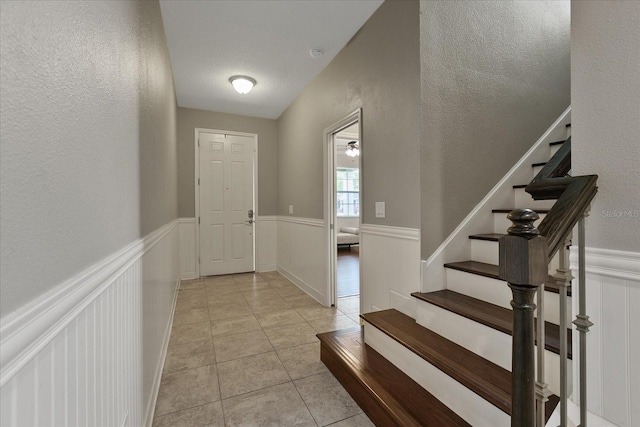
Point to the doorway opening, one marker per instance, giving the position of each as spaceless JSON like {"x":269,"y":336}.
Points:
{"x":344,"y":201}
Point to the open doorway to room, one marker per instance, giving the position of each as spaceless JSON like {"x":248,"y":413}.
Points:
{"x":347,"y":205}
{"x":344,"y":212}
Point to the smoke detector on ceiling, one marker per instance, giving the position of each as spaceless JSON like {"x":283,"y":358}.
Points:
{"x":316,"y":52}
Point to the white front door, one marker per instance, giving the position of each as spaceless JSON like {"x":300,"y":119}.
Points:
{"x":226,"y":203}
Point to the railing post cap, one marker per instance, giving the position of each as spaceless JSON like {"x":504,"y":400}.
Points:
{"x":523,"y":220}
{"x":523,"y":252}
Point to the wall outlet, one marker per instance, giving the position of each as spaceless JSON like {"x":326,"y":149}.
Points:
{"x":380,"y":210}
{"x":290,"y":209}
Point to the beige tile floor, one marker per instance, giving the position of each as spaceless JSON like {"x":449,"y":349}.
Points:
{"x":243,"y":352}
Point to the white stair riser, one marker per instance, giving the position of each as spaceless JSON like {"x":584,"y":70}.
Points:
{"x":489,"y":252}
{"x":464,"y":402}
{"x":524,"y":200}
{"x":484,"y":251}
{"x":553,"y":149}
{"x":498,"y":292}
{"x":501,"y":223}
{"x":487,"y":342}
{"x":536,"y":170}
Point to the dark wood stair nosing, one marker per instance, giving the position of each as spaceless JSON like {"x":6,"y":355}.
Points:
{"x":490,"y":315}
{"x":483,"y":377}
{"x":385,"y":393}
{"x":486,"y":379}
{"x":508,"y":210}
{"x":490,"y":237}
{"x":557,"y":142}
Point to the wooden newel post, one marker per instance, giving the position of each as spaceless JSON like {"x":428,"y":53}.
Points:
{"x":523,"y":264}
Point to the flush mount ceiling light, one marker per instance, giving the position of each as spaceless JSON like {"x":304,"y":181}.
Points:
{"x":242,"y":84}
{"x":353,"y":149}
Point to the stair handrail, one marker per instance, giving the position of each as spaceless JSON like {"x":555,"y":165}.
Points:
{"x":573,"y":193}
{"x":524,"y":273}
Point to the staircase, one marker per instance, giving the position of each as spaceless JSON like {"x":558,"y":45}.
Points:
{"x":448,"y":361}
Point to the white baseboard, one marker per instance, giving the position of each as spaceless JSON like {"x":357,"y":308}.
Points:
{"x":266,"y":268}
{"x":302,"y":285}
{"x":75,"y":355}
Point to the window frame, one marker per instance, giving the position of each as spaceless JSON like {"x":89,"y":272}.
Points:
{"x":337,"y":192}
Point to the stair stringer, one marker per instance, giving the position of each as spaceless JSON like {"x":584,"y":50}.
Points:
{"x":480,"y":219}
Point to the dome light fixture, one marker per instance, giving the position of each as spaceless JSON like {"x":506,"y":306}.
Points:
{"x":353,"y":149}
{"x":242,"y":84}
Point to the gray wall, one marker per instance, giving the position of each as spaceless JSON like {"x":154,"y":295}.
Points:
{"x":88,"y":146}
{"x":494,"y":76}
{"x":189,"y":119}
{"x":605,"y":92}
{"x":377,"y":70}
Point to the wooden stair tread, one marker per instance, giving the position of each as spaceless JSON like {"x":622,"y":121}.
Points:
{"x":544,"y":211}
{"x":475,"y":267}
{"x":533,"y":165}
{"x":488,"y":380}
{"x":520,"y":186}
{"x":492,"y":237}
{"x":492,"y":271}
{"x":557,"y":142}
{"x":386,"y":394}
{"x":490,"y":315}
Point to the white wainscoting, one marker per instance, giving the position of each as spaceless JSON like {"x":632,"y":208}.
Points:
{"x":91,"y":351}
{"x":188,"y":261}
{"x":301,"y":257}
{"x":390,"y":267}
{"x":613,"y":342}
{"x":266,"y":242}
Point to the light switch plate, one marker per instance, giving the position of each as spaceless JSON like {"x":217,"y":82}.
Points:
{"x":290,"y":209}
{"x":380,"y":210}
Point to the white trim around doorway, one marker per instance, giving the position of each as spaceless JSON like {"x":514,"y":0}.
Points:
{"x":196,"y":186}
{"x":329,"y":203}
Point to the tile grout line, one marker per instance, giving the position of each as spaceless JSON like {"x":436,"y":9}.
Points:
{"x":245,"y":294}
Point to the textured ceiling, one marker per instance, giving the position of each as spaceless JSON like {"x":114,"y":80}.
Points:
{"x":269,"y":40}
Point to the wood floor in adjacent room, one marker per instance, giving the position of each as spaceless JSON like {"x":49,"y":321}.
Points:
{"x":348,"y":272}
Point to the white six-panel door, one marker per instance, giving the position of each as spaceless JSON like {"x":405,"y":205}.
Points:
{"x":226,"y":203}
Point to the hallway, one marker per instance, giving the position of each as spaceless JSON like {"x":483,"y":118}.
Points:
{"x":243,"y":352}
